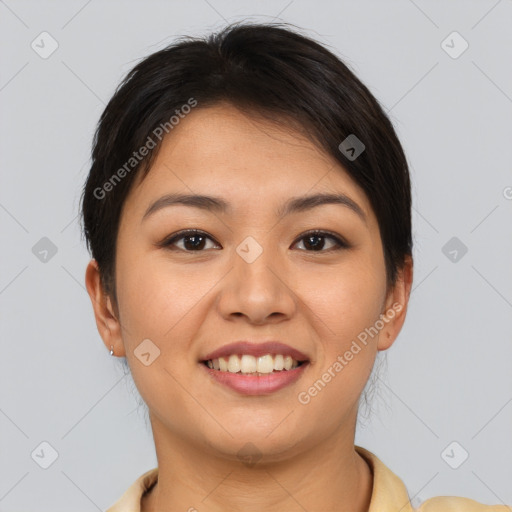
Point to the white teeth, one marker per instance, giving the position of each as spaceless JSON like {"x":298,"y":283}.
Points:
{"x":247,"y":364}
{"x":223,"y":364}
{"x":234,"y":364}
{"x":278,"y":362}
{"x":250,"y":364}
{"x":265,"y":364}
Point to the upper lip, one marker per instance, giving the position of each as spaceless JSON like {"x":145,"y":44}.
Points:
{"x":256,"y":350}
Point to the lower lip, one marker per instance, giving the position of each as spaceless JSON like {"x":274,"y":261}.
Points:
{"x":254,"y":385}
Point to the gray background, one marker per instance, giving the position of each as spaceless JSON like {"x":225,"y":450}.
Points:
{"x":448,"y":376}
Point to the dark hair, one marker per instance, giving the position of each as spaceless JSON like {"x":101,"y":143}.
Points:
{"x":263,"y":69}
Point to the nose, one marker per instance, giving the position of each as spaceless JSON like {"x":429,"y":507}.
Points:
{"x":259,"y":291}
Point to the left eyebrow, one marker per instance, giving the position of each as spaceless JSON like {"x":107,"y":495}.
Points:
{"x":217,"y":204}
{"x":303,"y":203}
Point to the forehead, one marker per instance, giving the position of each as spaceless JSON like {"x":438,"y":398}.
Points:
{"x":222,"y":151}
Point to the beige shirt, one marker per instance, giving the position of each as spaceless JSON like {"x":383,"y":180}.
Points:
{"x":389,"y":493}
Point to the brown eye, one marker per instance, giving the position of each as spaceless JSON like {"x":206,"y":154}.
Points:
{"x":316,"y":241}
{"x":193,"y":241}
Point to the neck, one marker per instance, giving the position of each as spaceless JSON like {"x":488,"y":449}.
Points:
{"x":330,"y":476}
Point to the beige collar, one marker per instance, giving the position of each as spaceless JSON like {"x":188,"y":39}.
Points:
{"x":389,"y":493}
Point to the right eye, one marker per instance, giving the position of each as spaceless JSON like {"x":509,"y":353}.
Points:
{"x":194,"y":240}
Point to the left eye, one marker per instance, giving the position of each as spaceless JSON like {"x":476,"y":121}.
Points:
{"x":196,"y":241}
{"x":316,"y":240}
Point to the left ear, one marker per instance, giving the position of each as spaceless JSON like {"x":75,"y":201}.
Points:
{"x":395,"y":307}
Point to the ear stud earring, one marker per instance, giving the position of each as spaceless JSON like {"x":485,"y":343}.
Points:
{"x":111,"y":350}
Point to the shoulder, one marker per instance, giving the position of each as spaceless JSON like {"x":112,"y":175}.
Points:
{"x":389,"y":493}
{"x":130,"y":501}
{"x":456,"y":504}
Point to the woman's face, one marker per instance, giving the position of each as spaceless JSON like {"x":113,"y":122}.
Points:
{"x":256,"y":276}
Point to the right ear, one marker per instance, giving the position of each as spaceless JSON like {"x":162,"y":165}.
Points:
{"x":106,"y":321}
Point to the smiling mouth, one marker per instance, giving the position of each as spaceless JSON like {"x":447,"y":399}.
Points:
{"x":246,"y":364}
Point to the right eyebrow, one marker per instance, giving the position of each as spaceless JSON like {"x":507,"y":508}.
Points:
{"x":209,"y":203}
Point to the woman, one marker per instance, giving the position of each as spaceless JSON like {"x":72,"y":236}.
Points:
{"x":248,"y":214}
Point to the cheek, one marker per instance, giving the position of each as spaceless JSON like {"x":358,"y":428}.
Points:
{"x":157,"y":297}
{"x":161,"y":304}
{"x":346,"y":301}
{"x":343,"y":312}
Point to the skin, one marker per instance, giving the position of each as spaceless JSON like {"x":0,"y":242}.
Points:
{"x":190,"y":303}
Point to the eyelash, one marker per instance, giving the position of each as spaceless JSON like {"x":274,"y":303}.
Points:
{"x":340,"y":243}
